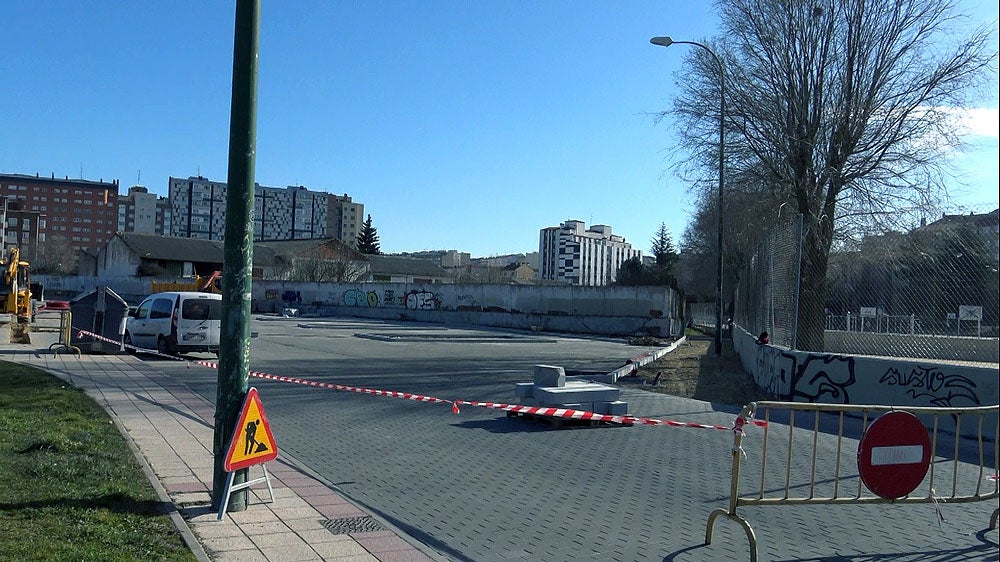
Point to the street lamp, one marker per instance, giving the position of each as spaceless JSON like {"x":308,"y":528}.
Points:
{"x":666,"y":42}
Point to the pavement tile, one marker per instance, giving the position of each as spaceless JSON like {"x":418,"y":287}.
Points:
{"x":307,"y":524}
{"x":253,"y":514}
{"x":411,"y":555}
{"x":289,"y":513}
{"x":288,"y":538}
{"x":336,"y":549}
{"x":382,"y":544}
{"x":337,"y":511}
{"x":312,"y":536}
{"x":254,"y":529}
{"x":298,"y":553}
{"x":219,"y":530}
{"x":226,"y":544}
{"x":253,"y":555}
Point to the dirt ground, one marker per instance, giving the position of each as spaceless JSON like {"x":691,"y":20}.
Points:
{"x":693,"y":371}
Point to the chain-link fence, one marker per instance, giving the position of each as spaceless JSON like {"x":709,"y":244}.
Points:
{"x":931,"y":292}
{"x":768,"y":286}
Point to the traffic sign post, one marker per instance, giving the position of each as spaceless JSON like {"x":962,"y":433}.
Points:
{"x":251,"y":443}
{"x":894,"y":454}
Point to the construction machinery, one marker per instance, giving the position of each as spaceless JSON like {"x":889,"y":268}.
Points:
{"x":15,"y":293}
{"x":210,"y":284}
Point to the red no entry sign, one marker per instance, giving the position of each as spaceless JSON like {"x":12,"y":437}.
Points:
{"x":894,"y":454}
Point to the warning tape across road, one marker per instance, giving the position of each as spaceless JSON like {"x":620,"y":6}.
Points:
{"x":543,"y":411}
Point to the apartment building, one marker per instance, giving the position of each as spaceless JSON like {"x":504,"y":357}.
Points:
{"x":576,"y":255}
{"x":143,"y":212}
{"x":344,"y":218}
{"x":198,"y":210}
{"x":83,"y":212}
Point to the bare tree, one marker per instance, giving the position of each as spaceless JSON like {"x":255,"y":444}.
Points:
{"x":318,"y":270}
{"x":841,"y":110}
{"x":55,"y":256}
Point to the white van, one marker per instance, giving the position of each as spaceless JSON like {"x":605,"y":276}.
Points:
{"x":176,"y":322}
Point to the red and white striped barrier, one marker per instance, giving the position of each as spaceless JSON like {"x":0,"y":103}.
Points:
{"x":513,"y":408}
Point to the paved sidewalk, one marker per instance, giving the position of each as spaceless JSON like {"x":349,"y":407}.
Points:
{"x":171,"y":429}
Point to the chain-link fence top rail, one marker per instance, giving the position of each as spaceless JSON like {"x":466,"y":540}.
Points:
{"x":931,"y":292}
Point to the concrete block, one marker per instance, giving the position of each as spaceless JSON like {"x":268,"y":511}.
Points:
{"x":577,"y":393}
{"x":582,"y":406}
{"x":550,"y":376}
{"x":615,"y":408}
{"x":524,"y":389}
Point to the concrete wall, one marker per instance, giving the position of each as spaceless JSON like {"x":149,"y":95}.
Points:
{"x":595,"y":310}
{"x":801,"y":376}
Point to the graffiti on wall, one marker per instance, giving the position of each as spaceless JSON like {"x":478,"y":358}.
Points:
{"x":779,"y":368}
{"x":389,"y":297}
{"x":422,"y":300}
{"x":468,"y":302}
{"x":824,"y":378}
{"x":830,"y":379}
{"x":934,"y":386}
{"x":356,"y":297}
{"x":818,"y":378}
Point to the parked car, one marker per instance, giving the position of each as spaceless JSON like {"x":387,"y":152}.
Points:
{"x":176,"y":322}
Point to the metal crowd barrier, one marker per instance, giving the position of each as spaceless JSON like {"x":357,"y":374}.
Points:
{"x":831,"y":474}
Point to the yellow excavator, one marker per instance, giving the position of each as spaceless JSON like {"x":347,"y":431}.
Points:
{"x":15,"y":293}
{"x":210,"y":284}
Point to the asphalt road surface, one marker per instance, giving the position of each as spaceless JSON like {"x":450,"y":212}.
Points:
{"x":481,"y":486}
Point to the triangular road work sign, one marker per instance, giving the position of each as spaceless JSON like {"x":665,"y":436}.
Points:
{"x":252,"y":442}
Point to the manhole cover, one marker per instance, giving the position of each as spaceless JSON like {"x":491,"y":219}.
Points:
{"x":347,"y":525}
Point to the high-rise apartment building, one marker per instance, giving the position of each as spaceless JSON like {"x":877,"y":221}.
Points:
{"x":143,"y":212}
{"x":577,"y":255}
{"x":344,"y":218}
{"x":198,"y":210}
{"x":83,"y":212}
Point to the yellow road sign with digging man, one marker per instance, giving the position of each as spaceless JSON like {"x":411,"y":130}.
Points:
{"x":252,"y":441}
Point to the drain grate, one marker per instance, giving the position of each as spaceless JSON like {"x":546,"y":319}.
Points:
{"x":347,"y":525}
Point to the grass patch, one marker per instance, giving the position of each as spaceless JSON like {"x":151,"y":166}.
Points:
{"x":693,"y":371}
{"x":71,"y":488}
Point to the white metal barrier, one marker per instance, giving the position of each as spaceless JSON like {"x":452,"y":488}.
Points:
{"x":839,"y":468}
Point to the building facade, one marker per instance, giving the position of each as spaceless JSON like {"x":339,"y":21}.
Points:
{"x":144,"y":212}
{"x":198,"y":210}
{"x":344,"y":218}
{"x":575,"y":255}
{"x":82,"y":212}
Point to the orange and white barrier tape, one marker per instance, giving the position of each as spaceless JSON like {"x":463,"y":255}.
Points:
{"x":544,"y":411}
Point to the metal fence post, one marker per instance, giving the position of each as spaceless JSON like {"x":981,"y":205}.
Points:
{"x":798,"y":282}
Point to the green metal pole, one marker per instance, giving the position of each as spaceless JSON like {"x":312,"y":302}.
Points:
{"x":234,"y":351}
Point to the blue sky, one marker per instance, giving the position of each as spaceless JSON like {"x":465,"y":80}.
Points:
{"x":459,"y":125}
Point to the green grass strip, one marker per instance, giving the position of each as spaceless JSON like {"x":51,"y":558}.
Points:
{"x":70,"y":488}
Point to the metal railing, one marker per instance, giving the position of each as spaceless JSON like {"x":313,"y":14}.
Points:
{"x":830,"y":474}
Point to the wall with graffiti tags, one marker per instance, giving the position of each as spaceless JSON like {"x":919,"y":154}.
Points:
{"x":600,"y":310}
{"x":850,"y":379}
